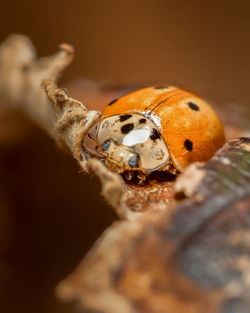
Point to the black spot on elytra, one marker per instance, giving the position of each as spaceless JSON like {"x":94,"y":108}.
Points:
{"x":161,"y":87}
{"x":125,"y":129}
{"x":188,"y":145}
{"x":154,"y":135}
{"x":113,"y":101}
{"x":142,"y":121}
{"x":124,"y":117}
{"x":193,"y":106}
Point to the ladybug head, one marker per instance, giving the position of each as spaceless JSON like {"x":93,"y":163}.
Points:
{"x":130,"y":142}
{"x":119,"y":158}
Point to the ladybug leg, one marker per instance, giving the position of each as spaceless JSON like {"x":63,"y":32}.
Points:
{"x":141,"y":177}
{"x":129,"y":175}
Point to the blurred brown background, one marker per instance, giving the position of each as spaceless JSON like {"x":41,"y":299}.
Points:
{"x":199,"y":44}
{"x":50,"y":213}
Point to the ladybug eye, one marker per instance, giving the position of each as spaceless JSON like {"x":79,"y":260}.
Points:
{"x":133,"y":161}
{"x":106,"y":145}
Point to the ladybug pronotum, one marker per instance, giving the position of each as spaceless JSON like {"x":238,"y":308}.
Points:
{"x":157,"y":129}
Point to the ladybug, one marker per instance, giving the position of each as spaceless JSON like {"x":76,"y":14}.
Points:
{"x":161,"y":128}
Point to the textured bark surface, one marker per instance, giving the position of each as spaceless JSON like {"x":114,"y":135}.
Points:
{"x":190,"y":257}
{"x":180,"y":245}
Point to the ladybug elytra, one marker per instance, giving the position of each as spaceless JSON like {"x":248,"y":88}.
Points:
{"x":161,"y":128}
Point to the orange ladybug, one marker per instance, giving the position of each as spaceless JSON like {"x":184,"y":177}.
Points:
{"x":161,"y":128}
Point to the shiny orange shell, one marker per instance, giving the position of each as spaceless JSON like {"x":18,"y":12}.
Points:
{"x":191,"y":129}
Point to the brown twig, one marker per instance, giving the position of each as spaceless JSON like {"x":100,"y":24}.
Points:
{"x":23,"y":79}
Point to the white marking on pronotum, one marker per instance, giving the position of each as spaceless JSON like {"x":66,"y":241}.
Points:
{"x":156,"y":119}
{"x":136,"y":136}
